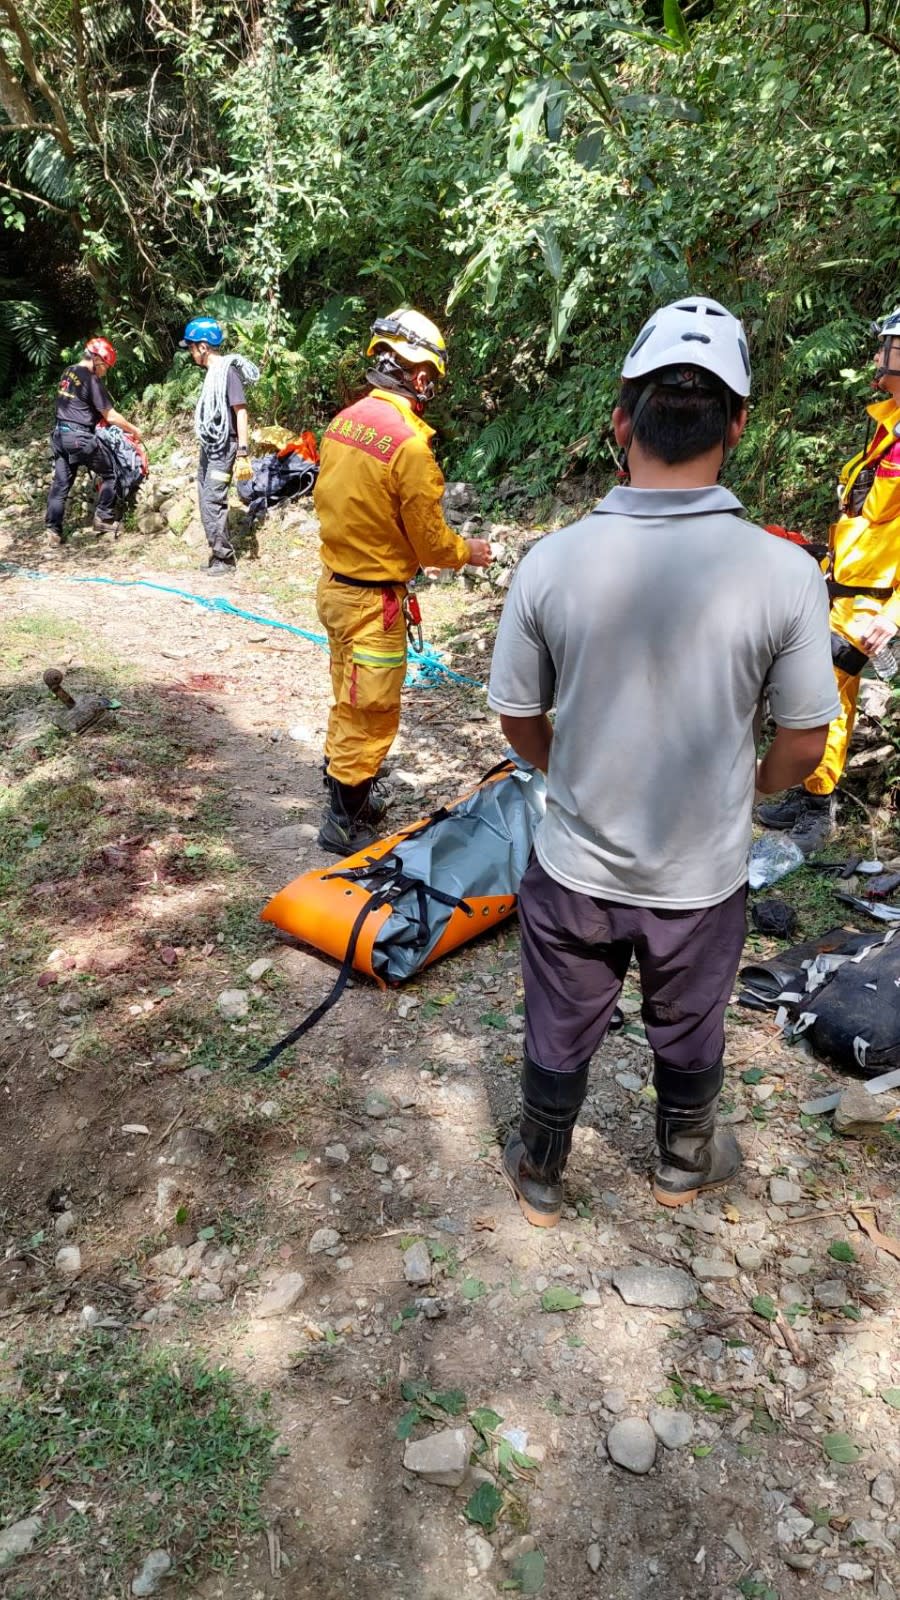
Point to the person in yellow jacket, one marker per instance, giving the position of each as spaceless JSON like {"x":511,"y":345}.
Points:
{"x":378,"y":499}
{"x":864,"y":583}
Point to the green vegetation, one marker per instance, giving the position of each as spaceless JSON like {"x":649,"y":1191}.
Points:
{"x":122,"y":1451}
{"x":540,"y":176}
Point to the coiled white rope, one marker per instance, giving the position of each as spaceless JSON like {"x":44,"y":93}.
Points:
{"x":212,"y":423}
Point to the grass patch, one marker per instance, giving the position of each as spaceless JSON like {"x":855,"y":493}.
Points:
{"x":155,"y":1449}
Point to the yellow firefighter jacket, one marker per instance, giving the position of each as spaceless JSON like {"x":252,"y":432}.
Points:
{"x":378,"y":494}
{"x":865,"y":540}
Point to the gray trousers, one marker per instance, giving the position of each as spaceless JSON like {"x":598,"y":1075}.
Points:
{"x":213,"y":483}
{"x":576,"y":951}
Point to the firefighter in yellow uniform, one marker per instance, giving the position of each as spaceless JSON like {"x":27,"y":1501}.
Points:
{"x":378,"y":499}
{"x":864,"y":583}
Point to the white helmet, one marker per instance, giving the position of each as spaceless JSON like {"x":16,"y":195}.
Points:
{"x":889,"y":326}
{"x":693,"y":333}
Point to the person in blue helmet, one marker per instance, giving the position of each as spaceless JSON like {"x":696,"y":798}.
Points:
{"x":220,"y":423}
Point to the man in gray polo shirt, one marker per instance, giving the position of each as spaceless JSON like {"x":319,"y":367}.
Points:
{"x":655,"y":626}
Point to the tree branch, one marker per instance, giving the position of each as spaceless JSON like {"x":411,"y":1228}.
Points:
{"x":24,"y":194}
{"x":34,"y":72}
{"x":27,"y":127}
{"x":13,"y":98}
{"x":90,"y":120}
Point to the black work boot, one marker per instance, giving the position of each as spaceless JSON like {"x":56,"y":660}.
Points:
{"x":534,"y":1158}
{"x":782,"y":814}
{"x":815,"y":824}
{"x":377,"y":802}
{"x":693,"y":1154}
{"x":346,"y":826}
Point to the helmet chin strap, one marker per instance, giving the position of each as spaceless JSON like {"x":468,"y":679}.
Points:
{"x":687,"y":384}
{"x":389,"y":373}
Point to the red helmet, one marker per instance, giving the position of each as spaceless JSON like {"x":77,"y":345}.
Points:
{"x":102,"y":349}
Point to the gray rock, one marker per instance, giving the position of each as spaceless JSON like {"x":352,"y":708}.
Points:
{"x":168,"y":1193}
{"x":64,"y":1224}
{"x":855,"y":1572}
{"x":157,"y":1564}
{"x":323,"y":1239}
{"x":708,"y":1268}
{"x":68,"y":1259}
{"x":871,"y":1534}
{"x":784,"y":1193}
{"x":377,"y":1105}
{"x":17,"y":1539}
{"x":440,"y":1458}
{"x":712,"y":1348}
{"x":210,"y":1293}
{"x":379,"y":1163}
{"x":417,"y":1264}
{"x":191,"y":1147}
{"x":233,"y":1004}
{"x":735,"y":1541}
{"x":632,"y":1444}
{"x":594,"y":1557}
{"x":258,"y":969}
{"x":797,"y":1266}
{"x":481,"y":1550}
{"x":193,"y":1258}
{"x":633,"y":1083}
{"x":884,"y":1490}
{"x":169,"y":1263}
{"x":668,"y":1287}
{"x":793,"y":1526}
{"x":857,"y":1111}
{"x":830,"y":1293}
{"x":282,"y":1295}
{"x":749,"y":1258}
{"x":614,"y":1400}
{"x":337,"y":1155}
{"x":674,"y":1429}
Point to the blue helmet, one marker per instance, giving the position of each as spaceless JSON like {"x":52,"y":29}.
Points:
{"x":201,"y":330}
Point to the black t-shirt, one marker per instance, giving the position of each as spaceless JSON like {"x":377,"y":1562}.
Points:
{"x":81,"y":398}
{"x":235,"y":396}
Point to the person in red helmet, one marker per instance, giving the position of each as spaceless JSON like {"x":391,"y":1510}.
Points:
{"x":82,"y":402}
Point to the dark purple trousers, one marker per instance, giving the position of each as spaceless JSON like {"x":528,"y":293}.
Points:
{"x":576,"y":951}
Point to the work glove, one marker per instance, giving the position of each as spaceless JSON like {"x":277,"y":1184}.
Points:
{"x":243,"y":470}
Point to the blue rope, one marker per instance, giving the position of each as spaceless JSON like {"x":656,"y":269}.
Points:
{"x":421,"y":669}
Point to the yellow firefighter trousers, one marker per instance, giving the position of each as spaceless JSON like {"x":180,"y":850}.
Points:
{"x":849,"y":615}
{"x":368,"y":665}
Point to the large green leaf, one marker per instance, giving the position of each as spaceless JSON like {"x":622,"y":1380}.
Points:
{"x":48,"y":171}
{"x":526,"y":124}
{"x":674,"y":24}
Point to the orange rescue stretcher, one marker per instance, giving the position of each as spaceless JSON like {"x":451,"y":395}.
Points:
{"x":402,"y":903}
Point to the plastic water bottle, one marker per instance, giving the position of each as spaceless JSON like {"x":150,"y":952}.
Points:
{"x":884,"y":662}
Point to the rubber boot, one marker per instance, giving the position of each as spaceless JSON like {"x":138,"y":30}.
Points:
{"x":535,"y":1157}
{"x":345,"y":825}
{"x":377,"y":802}
{"x":693,"y":1155}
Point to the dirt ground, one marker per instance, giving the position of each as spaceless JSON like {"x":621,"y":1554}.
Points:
{"x":135,"y":900}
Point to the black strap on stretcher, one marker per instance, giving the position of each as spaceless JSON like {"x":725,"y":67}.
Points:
{"x":388,"y":882}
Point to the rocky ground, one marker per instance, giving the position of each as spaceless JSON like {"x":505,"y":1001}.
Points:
{"x":701,"y":1404}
